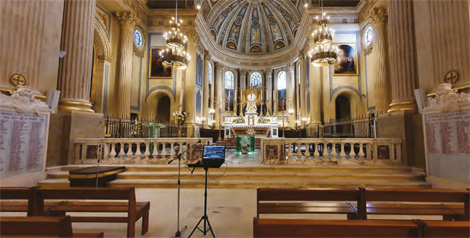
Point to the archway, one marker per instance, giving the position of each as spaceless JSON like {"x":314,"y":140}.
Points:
{"x":101,"y":61}
{"x":342,"y":107}
{"x":163,"y":108}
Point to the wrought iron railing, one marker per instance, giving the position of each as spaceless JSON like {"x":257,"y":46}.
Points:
{"x":360,"y":127}
{"x":122,"y":127}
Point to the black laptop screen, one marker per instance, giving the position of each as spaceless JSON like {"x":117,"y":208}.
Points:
{"x":214,"y":152}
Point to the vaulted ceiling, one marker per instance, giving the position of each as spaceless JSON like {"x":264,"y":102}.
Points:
{"x":252,"y":26}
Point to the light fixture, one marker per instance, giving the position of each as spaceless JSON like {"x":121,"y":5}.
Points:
{"x":305,"y":5}
{"x":324,"y":53}
{"x":198,"y":7}
{"x":175,"y":55}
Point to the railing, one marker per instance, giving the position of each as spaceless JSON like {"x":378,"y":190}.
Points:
{"x":137,"y":150}
{"x":361,"y":127}
{"x":119,"y":127}
{"x":334,"y":151}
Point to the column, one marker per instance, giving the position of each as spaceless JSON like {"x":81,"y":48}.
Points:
{"x":269,"y":90}
{"x":316,"y":95}
{"x":76,"y":67}
{"x":206,"y":96}
{"x":402,"y":55}
{"x":303,"y":85}
{"x":127,"y":20}
{"x":291,"y":94}
{"x":378,"y":18}
{"x":243,"y":74}
{"x":220,"y":101}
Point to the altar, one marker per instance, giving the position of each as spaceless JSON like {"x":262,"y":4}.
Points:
{"x":251,"y":124}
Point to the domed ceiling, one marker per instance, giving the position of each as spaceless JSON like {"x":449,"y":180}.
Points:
{"x":253,"y":26}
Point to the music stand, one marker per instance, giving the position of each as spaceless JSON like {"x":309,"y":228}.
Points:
{"x":204,"y":218}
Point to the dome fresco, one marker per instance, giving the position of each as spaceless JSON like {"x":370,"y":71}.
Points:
{"x":253,"y":26}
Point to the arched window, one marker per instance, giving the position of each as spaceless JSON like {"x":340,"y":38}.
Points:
{"x":209,"y":79}
{"x":281,"y":90}
{"x":256,"y":80}
{"x":229,"y":90}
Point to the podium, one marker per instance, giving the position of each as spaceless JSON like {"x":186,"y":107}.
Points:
{"x":207,"y":225}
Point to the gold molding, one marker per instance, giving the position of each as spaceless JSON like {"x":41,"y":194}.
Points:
{"x":401,"y":109}
{"x":393,"y":104}
{"x":458,"y":88}
{"x":66,"y":106}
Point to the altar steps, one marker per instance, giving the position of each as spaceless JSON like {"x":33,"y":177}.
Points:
{"x":253,"y":177}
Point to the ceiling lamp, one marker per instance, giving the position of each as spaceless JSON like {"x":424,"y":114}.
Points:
{"x":324,"y":53}
{"x":175,"y":55}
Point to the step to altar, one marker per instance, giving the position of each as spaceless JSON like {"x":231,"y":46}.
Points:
{"x":165,"y":176}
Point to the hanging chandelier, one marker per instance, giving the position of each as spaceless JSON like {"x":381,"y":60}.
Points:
{"x":324,"y":53}
{"x":175,"y":55}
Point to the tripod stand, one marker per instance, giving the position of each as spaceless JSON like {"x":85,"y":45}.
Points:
{"x":178,"y":231}
{"x":204,"y":218}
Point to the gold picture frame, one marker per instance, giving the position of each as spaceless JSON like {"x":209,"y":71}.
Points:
{"x":156,"y":68}
{"x":347,"y":61}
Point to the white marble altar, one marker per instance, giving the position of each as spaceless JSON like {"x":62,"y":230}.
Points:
{"x":252,"y":121}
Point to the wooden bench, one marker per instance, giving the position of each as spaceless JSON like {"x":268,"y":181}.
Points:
{"x":263,"y":227}
{"x":72,"y":201}
{"x":40,"y":227}
{"x":307,"y":201}
{"x":23,"y":199}
{"x":446,"y":229}
{"x":451,"y":204}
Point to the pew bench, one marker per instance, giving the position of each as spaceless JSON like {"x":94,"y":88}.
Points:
{"x":68,"y":200}
{"x":307,"y":201}
{"x":40,"y":227}
{"x":20,"y":199}
{"x":263,"y":227}
{"x":450,"y":204}
{"x":446,"y":229}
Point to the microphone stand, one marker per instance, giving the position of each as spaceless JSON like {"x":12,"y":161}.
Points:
{"x":178,"y":231}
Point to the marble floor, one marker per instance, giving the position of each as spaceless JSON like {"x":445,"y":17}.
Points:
{"x":230,"y":212}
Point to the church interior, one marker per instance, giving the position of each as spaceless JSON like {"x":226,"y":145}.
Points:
{"x":268,"y":118}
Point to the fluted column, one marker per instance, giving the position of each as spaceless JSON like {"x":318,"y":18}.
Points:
{"x":243,"y":74}
{"x":303,"y":84}
{"x":269,"y":90}
{"x":127,"y":20}
{"x":316,"y":89}
{"x":291,"y":93}
{"x":220,"y":102}
{"x":76,"y":67}
{"x":404,"y":77}
{"x":378,"y":18}
{"x":206,"y":96}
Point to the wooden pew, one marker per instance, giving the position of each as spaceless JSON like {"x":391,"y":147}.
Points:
{"x":307,"y":201}
{"x":446,"y":229}
{"x":23,"y":196}
{"x":263,"y":227}
{"x":40,"y":227}
{"x":72,"y":201}
{"x":416,"y":202}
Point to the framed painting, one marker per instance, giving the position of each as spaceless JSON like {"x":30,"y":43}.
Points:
{"x":346,"y":63}
{"x":156,"y":68}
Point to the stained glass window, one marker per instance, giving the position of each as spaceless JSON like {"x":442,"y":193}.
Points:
{"x":138,"y":40}
{"x":255,"y":80}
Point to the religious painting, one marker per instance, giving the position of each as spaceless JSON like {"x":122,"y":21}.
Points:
{"x":156,"y":68}
{"x":347,"y":62}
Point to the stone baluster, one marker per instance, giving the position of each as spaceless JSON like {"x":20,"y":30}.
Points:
{"x":361,"y":151}
{"x":121,"y":151}
{"x":138,"y":153}
{"x":316,"y":153}
{"x":127,"y":20}
{"x":112,"y":154}
{"x":326,"y":153}
{"x":147,"y":150}
{"x":105,"y":151}
{"x":404,"y":77}
{"x":333,"y":152}
{"x":164,"y":153}
{"x":342,"y":154}
{"x":76,"y":67}
{"x":299,"y":154}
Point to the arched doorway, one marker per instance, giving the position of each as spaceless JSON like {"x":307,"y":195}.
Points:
{"x":163,"y":108}
{"x":343,"y":107}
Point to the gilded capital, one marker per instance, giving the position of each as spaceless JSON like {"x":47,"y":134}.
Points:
{"x":377,"y":15}
{"x":127,"y":18}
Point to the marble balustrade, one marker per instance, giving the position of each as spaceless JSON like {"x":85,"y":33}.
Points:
{"x":137,"y":150}
{"x":331,"y":151}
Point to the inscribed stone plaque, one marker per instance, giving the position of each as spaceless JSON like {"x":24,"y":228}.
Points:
{"x":22,"y":143}
{"x":448,"y":145}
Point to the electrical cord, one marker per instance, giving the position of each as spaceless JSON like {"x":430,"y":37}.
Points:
{"x":226,"y":167}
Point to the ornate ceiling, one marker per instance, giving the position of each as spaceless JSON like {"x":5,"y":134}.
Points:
{"x":252,"y":26}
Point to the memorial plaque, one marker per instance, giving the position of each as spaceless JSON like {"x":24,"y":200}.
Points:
{"x":23,"y":139}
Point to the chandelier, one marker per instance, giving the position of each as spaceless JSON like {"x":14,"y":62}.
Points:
{"x":175,"y":55}
{"x":324,"y":53}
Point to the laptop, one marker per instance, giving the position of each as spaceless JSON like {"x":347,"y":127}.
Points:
{"x":213,"y":156}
